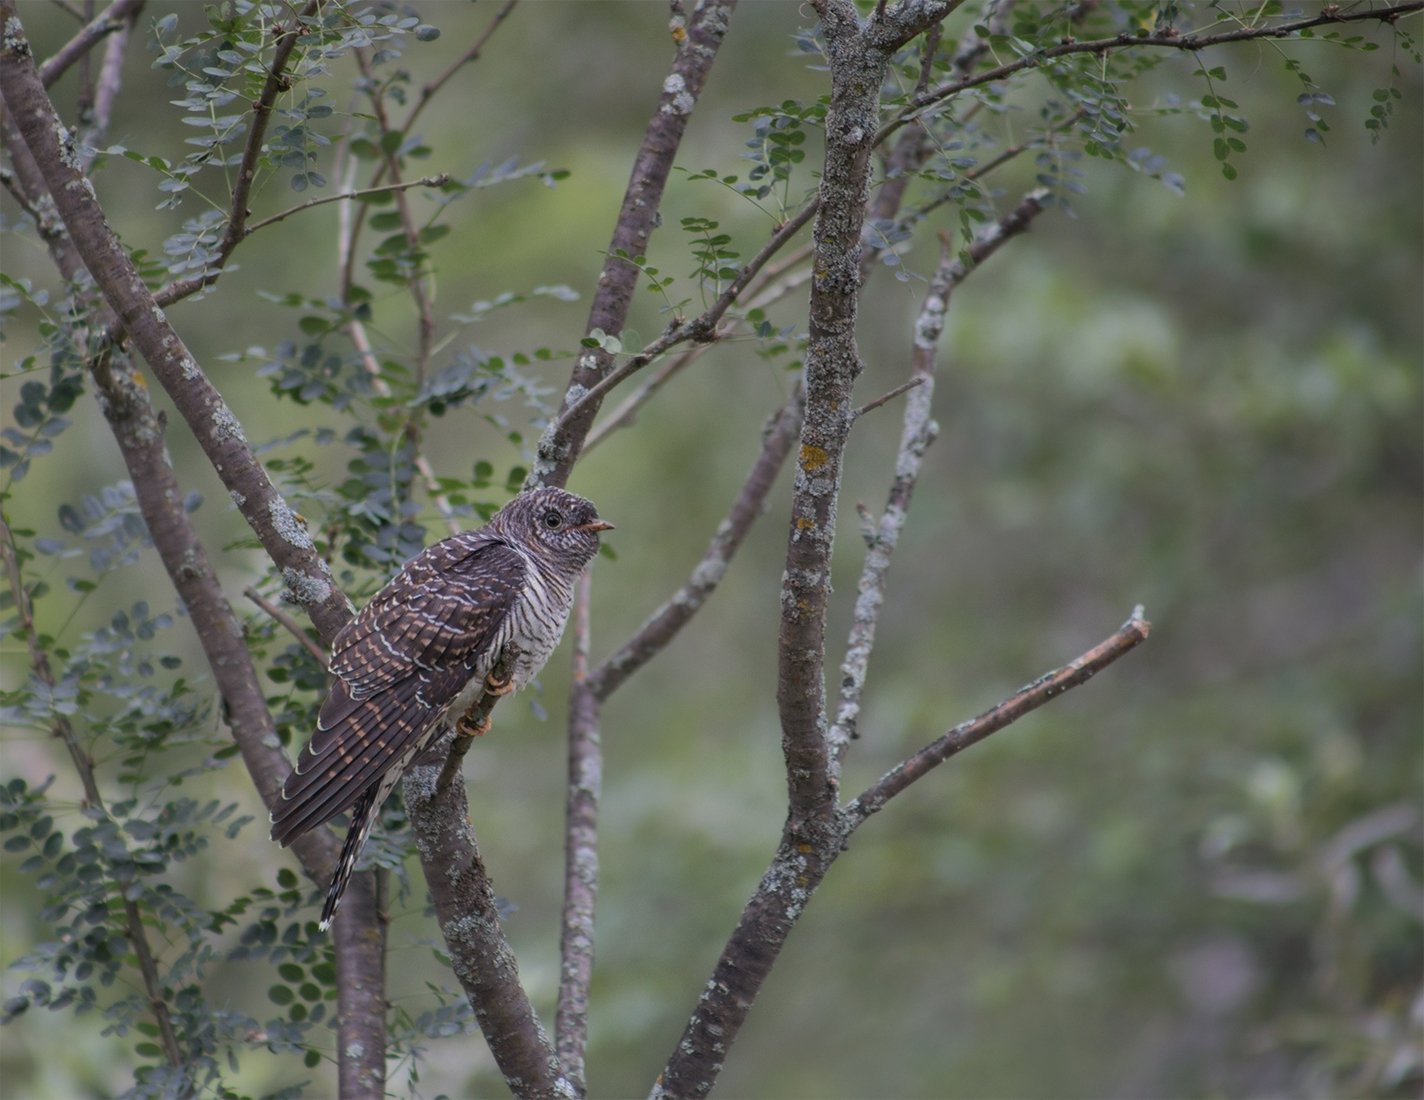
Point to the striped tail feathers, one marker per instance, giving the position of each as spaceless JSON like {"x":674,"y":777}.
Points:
{"x":363,"y":818}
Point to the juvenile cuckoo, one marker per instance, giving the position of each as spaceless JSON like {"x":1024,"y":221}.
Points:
{"x":424,"y":649}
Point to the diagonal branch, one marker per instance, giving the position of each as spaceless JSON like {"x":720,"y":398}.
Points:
{"x":698,"y":39}
{"x":797,"y":870}
{"x":111,"y":19}
{"x":1028,"y":698}
{"x":916,"y":436}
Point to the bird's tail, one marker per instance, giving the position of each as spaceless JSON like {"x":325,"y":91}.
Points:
{"x":363,"y":816}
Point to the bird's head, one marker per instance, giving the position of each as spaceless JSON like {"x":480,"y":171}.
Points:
{"x":557,"y":525}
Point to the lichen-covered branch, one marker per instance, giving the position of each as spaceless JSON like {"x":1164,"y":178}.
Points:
{"x":469,"y":920}
{"x":916,"y":435}
{"x":832,"y":365}
{"x":585,"y":783}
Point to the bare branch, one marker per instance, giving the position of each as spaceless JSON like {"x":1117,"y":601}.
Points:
{"x":576,"y":941}
{"x":654,"y":635}
{"x":106,"y":90}
{"x":113,"y":18}
{"x":427,"y":93}
{"x":886,"y":397}
{"x":917,"y":434}
{"x":1028,"y":698}
{"x":831,"y":367}
{"x":698,"y":40}
{"x":439,"y":180}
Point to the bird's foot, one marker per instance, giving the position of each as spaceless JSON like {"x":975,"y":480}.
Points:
{"x":495,"y":686}
{"x":468,"y":727}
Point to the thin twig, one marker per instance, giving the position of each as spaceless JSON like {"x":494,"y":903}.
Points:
{"x":417,"y":285}
{"x":701,"y":328}
{"x":384,"y":189}
{"x":282,"y":619}
{"x":427,"y":93}
{"x":1173,"y":40}
{"x":357,"y":331}
{"x":887,"y":397}
{"x":1028,"y":698}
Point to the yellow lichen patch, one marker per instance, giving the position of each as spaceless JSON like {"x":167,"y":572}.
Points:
{"x":803,"y":522}
{"x":813,"y":458}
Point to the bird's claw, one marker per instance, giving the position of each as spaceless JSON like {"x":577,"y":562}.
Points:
{"x":497,"y":687}
{"x":468,"y":727}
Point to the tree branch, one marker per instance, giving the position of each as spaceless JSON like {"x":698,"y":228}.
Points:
{"x":832,"y":365}
{"x":289,"y":624}
{"x":1028,"y":698}
{"x":1172,"y":40}
{"x":469,"y":920}
{"x":916,"y":436}
{"x":576,"y":941}
{"x":698,"y":41}
{"x":273,"y":86}
{"x":113,"y":18}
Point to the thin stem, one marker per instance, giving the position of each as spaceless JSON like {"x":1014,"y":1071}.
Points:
{"x":289,"y":624}
{"x":1028,"y":698}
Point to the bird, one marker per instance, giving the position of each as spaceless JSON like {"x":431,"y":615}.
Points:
{"x":423,"y":651}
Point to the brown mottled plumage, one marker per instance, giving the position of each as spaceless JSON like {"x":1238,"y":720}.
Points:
{"x":422,"y":649}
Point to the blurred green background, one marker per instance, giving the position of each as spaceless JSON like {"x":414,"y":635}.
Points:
{"x":1198,"y":875}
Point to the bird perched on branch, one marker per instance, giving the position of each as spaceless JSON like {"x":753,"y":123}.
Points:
{"x":424,"y":650}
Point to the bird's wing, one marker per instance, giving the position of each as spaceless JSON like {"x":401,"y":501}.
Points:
{"x":398,"y":665}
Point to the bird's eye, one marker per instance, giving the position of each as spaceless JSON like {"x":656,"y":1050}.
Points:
{"x":552,"y":520}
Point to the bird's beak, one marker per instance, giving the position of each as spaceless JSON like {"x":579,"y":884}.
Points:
{"x":595,"y":525}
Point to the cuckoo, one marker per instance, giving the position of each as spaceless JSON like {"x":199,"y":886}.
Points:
{"x":425,"y":649}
